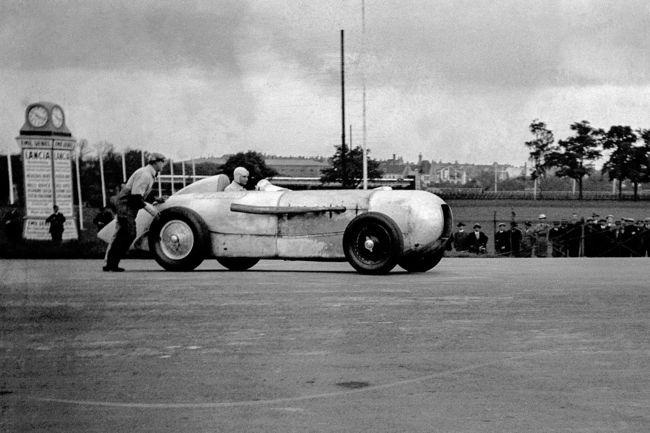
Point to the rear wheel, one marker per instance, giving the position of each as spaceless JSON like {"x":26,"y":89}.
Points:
{"x":422,"y":263}
{"x":238,"y":263}
{"x":178,"y":239}
{"x":373,"y":243}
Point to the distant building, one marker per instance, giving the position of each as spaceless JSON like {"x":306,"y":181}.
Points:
{"x":297,"y":167}
{"x":395,"y":169}
{"x":449,"y":174}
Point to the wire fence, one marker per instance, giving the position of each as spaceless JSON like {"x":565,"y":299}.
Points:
{"x":576,"y":240}
{"x":478,"y":194}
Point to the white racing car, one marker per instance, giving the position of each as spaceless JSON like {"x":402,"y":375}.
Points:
{"x":373,"y":230}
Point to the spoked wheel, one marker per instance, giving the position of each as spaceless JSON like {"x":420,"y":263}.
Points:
{"x":373,"y":243}
{"x":238,"y":263}
{"x":178,"y":239}
{"x":422,"y":263}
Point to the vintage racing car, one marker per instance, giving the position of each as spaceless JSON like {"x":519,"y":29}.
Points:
{"x":373,"y":230}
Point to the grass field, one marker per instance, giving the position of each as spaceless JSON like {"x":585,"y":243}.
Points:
{"x":484,"y":212}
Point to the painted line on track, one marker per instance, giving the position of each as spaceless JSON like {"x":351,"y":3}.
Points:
{"x":212,"y":405}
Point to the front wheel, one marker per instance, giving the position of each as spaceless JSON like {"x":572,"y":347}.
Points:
{"x":422,"y":263}
{"x":373,"y":243}
{"x":238,"y":263}
{"x":177,"y":239}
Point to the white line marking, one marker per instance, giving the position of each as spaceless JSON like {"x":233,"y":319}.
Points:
{"x":284,"y":399}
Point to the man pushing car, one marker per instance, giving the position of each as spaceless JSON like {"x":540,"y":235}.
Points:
{"x":129,"y":201}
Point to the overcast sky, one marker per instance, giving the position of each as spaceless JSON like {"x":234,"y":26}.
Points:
{"x":453,"y":80}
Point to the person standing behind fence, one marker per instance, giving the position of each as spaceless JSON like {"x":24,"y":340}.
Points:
{"x":56,"y":221}
{"x":603,"y":240}
{"x":618,"y":240}
{"x":555,"y":239}
{"x":129,"y":201}
{"x":477,"y":241}
{"x":459,"y":238}
{"x":528,"y":239}
{"x":631,"y":239}
{"x":573,"y":235}
{"x":589,"y":238}
{"x":515,"y":239}
{"x":645,"y":249}
{"x":502,"y":241}
{"x":541,"y":236}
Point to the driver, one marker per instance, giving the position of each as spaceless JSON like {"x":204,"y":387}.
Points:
{"x":240,"y":179}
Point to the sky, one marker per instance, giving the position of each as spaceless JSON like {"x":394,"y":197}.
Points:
{"x":452,"y":80}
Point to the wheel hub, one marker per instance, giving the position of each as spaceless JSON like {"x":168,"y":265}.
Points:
{"x":369,"y":244}
{"x":176,"y":239}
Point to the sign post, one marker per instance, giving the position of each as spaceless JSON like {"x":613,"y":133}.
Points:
{"x":46,"y":145}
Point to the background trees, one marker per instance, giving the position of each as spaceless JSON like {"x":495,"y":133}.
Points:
{"x":574,"y":157}
{"x":353,"y":168}
{"x":539,"y":148}
{"x":619,"y":139}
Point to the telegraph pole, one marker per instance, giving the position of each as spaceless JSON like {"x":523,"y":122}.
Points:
{"x":363,"y":79}
{"x":344,"y":176}
{"x":11,"y":178}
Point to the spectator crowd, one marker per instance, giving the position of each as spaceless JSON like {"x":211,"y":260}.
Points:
{"x":574,"y":237}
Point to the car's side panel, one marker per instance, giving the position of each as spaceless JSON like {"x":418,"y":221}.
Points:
{"x":236,"y":234}
{"x":317,"y":234}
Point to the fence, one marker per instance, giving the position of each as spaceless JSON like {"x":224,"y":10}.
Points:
{"x":477,"y":194}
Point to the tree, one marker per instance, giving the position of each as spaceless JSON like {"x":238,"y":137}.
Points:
{"x":539,"y":148}
{"x":640,"y":162}
{"x":572,"y":157}
{"x":621,"y":140}
{"x":353,"y":168}
{"x":252,"y":161}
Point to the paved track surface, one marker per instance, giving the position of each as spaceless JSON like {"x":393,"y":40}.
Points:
{"x":475,"y":345}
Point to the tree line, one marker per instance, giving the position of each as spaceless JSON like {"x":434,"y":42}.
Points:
{"x":575,"y":156}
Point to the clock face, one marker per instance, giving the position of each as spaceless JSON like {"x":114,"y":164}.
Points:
{"x":37,"y":116}
{"x":57,"y":117}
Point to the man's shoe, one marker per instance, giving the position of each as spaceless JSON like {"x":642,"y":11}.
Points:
{"x":112,"y":269}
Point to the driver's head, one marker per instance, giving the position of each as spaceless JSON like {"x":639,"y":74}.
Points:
{"x":240,"y":176}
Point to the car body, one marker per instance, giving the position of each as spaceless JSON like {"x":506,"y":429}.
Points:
{"x":374,"y":230}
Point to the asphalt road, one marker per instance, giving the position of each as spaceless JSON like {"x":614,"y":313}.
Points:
{"x":475,"y":345}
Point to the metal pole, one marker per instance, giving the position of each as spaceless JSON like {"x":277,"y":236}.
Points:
{"x":495,"y":176}
{"x":123,"y":167}
{"x":171,"y":172}
{"x":142,"y":158}
{"x":344,"y":177}
{"x":363,"y":79}
{"x":101,"y":172}
{"x":81,"y":204}
{"x":193,"y":171}
{"x":11,"y":179}
{"x":183,"y":169}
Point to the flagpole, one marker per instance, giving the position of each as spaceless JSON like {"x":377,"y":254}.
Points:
{"x":11,"y":179}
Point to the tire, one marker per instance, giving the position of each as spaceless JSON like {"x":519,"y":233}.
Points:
{"x":238,"y":263}
{"x":373,"y":243}
{"x":178,"y":239}
{"x":422,"y":263}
